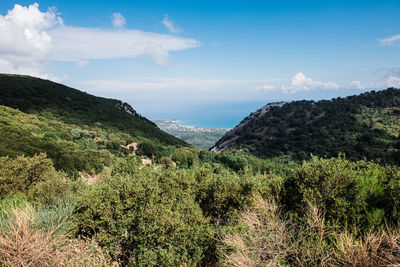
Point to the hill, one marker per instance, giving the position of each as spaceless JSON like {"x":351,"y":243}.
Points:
{"x":78,"y":131}
{"x":200,"y":137}
{"x":362,"y":126}
{"x":34,"y":95}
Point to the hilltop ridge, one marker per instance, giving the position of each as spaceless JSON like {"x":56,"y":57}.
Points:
{"x":360,"y":126}
{"x":78,"y":131}
{"x":35,"y":95}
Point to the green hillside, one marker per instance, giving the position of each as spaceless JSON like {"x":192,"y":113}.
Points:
{"x":80,"y":132}
{"x":362,"y":126}
{"x":37,"y":96}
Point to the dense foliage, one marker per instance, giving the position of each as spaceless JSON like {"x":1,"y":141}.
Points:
{"x":169,"y":204}
{"x":160,"y":215}
{"x":362,"y":126}
{"x":49,"y":99}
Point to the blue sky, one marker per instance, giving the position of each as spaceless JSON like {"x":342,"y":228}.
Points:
{"x":207,"y":63}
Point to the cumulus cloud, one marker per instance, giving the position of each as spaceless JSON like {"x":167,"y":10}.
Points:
{"x":25,"y":41}
{"x":31,"y":38}
{"x":358,"y":85}
{"x":393,"y":81}
{"x":391,"y":77}
{"x":170,"y":25}
{"x":300,"y":82}
{"x":392,"y":40}
{"x":118,"y":20}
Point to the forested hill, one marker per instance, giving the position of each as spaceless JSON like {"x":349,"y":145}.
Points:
{"x":361,"y":126}
{"x":38,"y":96}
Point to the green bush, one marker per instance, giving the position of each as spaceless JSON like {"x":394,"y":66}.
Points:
{"x":166,"y":162}
{"x":146,"y":149}
{"x":349,"y":193}
{"x":144,"y":219}
{"x":184,"y":157}
{"x":20,"y":174}
{"x":51,"y":191}
{"x":222,"y":195}
{"x":77,"y":133}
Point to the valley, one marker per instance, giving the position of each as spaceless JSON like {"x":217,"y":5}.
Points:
{"x":120,"y":191}
{"x":200,"y":137}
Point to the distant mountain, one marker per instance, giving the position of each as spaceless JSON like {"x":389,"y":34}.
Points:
{"x":362,"y":126}
{"x":200,"y":137}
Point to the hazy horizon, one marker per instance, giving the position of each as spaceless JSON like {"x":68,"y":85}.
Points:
{"x":206,"y":63}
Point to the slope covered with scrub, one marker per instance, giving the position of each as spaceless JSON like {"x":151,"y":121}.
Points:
{"x":37,"y":96}
{"x":361,"y":126}
{"x":80,"y":132}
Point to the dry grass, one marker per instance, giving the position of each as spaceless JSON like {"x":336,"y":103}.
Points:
{"x":311,"y":240}
{"x":270,"y":240}
{"x":265,"y":241}
{"x":81,"y":253}
{"x":23,"y":243}
{"x":373,"y":249}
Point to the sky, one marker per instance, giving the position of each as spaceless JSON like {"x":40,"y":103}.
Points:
{"x":206,"y":63}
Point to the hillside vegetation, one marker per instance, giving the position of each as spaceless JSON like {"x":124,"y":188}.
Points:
{"x":362,"y":126}
{"x":36,"y":96}
{"x":72,"y":194}
{"x":80,"y":132}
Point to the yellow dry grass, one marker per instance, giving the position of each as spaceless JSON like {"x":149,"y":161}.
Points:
{"x":270,"y":240}
{"x":24,"y":244}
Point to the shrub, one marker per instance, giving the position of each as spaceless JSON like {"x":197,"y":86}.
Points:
{"x":184,"y":157}
{"x":167,"y":162}
{"x":223,"y":195}
{"x":144,"y":219}
{"x":77,"y":133}
{"x":146,"y":149}
{"x":349,"y":193}
{"x":51,"y":191}
{"x":20,"y":174}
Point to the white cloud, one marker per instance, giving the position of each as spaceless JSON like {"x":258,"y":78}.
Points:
{"x":31,"y":38}
{"x":118,"y":20}
{"x":390,"y":40}
{"x":391,"y":77}
{"x":76,"y":44}
{"x":25,"y":42}
{"x":165,"y":84}
{"x":300,"y":82}
{"x":170,"y":25}
{"x":266,"y":88}
{"x":393,"y":81}
{"x":174,"y":89}
{"x":358,"y":85}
